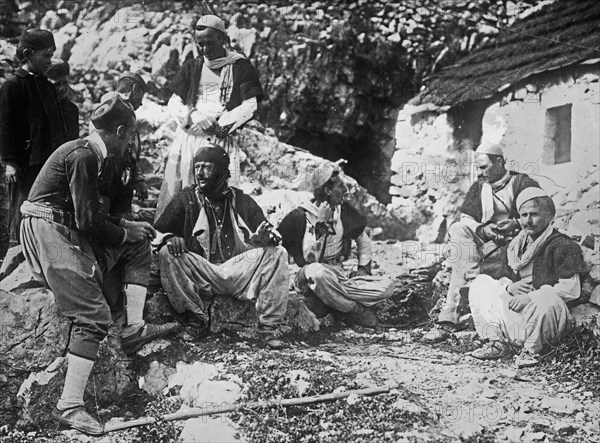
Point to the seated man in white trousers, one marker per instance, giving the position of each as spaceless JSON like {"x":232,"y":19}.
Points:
{"x":527,"y":307}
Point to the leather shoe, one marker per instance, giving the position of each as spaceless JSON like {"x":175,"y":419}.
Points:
{"x":145,"y":334}
{"x":270,"y":337}
{"x":80,"y":419}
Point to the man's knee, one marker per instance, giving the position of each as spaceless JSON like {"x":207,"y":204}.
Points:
{"x":458,"y":230}
{"x":544,"y":304}
{"x":315,"y":272}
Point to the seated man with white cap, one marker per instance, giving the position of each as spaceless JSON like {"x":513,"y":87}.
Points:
{"x":69,"y":244}
{"x":488,"y":221}
{"x":319,"y":235}
{"x":527,"y":306}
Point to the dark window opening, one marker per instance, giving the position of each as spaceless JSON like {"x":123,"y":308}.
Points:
{"x":557,"y":136}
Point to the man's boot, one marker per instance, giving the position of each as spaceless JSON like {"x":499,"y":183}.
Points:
{"x":363,"y":316}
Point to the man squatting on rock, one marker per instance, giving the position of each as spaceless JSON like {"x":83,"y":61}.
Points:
{"x":217,"y":241}
{"x":488,"y":221}
{"x":70,"y":245}
{"x":318,"y":235}
{"x":526,"y":307}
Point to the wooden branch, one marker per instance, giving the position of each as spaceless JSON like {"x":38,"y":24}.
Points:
{"x":222,"y":409}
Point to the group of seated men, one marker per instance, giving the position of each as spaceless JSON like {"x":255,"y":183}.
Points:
{"x":213,"y":239}
{"x":515,"y":271}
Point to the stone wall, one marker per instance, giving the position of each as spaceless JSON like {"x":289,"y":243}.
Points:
{"x":430,"y":172}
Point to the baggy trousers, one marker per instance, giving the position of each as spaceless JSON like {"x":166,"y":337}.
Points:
{"x":540,"y":323}
{"x":466,"y":250}
{"x":64,"y":260}
{"x":259,"y":274}
{"x":341,"y":293}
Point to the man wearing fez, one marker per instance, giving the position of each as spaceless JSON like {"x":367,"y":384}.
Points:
{"x":213,"y":95}
{"x":121,"y":178}
{"x":215,"y":240}
{"x":488,"y":221}
{"x":319,"y":235}
{"x":69,"y":245}
{"x":31,"y":122}
{"x":58,"y":74}
{"x":526,"y":308}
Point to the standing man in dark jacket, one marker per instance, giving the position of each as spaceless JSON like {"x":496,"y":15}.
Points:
{"x":319,"y":235}
{"x":58,"y":74}
{"x":488,"y":221}
{"x":31,"y":121}
{"x":69,"y":245}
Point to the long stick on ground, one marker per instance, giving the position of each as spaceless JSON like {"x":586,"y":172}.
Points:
{"x":222,"y":409}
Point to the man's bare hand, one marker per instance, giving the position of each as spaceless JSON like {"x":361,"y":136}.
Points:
{"x":506,"y":226}
{"x":265,"y":235}
{"x":520,"y":287}
{"x":202,"y":123}
{"x":140,"y":190}
{"x":176,"y":246}
{"x":139,"y":231}
{"x":12,"y":173}
{"x":518,"y":302}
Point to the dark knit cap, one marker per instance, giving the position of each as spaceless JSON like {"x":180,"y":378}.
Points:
{"x":36,"y":39}
{"x":115,"y":111}
{"x":58,"y":68}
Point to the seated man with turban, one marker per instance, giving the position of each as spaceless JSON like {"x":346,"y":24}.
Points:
{"x":526,"y":308}
{"x":487,"y":223}
{"x":218,"y":242}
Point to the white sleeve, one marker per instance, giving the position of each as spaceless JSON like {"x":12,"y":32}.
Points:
{"x":363,"y":249}
{"x":239,"y":115}
{"x":470,"y":221}
{"x":178,"y":110}
{"x":566,"y":288}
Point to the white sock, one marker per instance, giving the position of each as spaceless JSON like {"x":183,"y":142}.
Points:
{"x":135,"y":300}
{"x":78,"y":373}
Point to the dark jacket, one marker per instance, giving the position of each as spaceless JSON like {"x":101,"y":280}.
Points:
{"x":32,"y":125}
{"x":559,"y":257}
{"x":180,"y":215}
{"x":68,"y":182}
{"x":293,"y":228}
{"x":246,"y":83}
{"x":472,"y":203}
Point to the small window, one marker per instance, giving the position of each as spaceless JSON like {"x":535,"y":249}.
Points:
{"x":557,"y":143}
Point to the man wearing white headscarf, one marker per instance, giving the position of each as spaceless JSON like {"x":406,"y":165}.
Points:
{"x":213,"y":95}
{"x":527,"y":306}
{"x":487,"y":223}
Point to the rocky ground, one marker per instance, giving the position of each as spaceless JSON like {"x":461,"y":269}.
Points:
{"x":437,"y":392}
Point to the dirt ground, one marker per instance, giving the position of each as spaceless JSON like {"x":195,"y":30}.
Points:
{"x":438,"y":393}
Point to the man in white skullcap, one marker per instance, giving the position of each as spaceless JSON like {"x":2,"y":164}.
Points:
{"x":526,"y":308}
{"x":488,"y":221}
{"x":213,"y":95}
{"x":318,"y":235}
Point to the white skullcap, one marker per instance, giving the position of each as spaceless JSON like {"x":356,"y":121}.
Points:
{"x":490,"y":149}
{"x":529,"y":194}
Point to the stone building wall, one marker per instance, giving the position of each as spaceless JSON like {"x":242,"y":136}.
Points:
{"x":433,"y":168}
